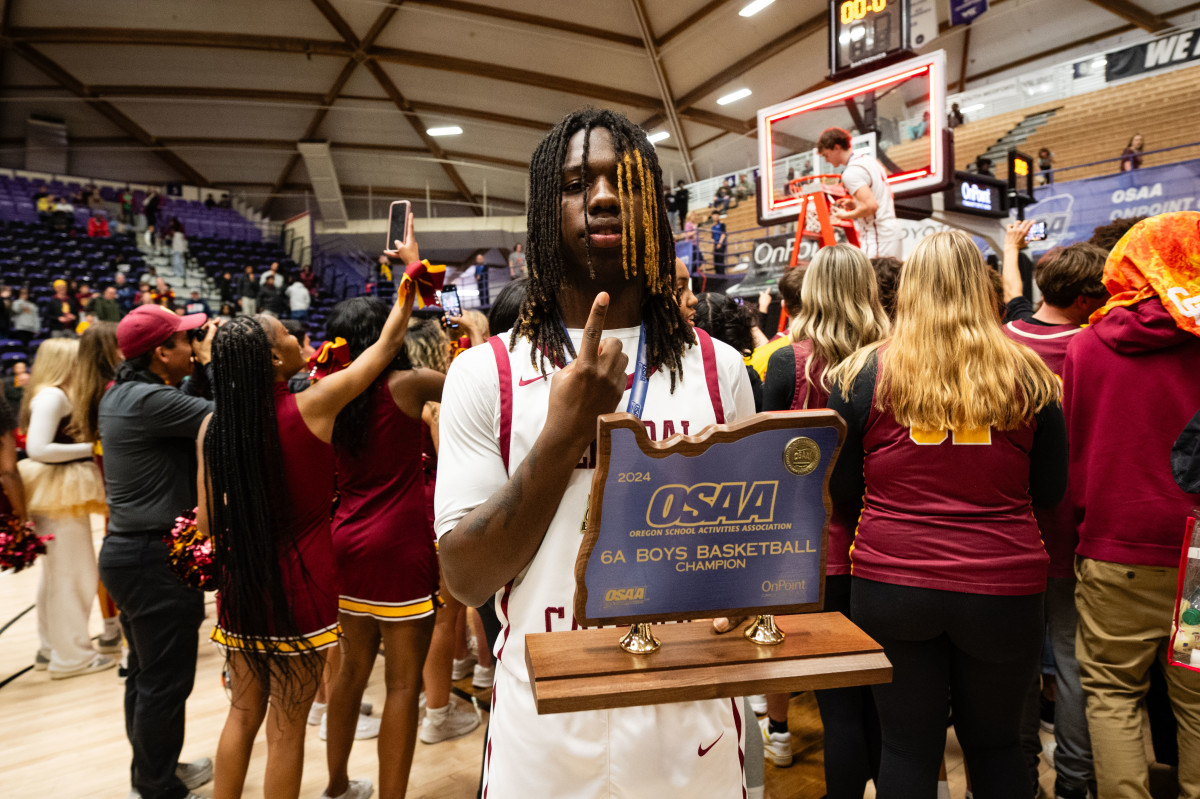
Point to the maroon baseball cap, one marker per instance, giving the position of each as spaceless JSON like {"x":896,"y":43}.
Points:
{"x":148,"y":326}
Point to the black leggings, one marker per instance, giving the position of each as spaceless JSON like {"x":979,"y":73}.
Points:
{"x":850,"y":720}
{"x":980,"y":652}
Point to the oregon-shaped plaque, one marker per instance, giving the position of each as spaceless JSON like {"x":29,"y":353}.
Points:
{"x":731,"y":521}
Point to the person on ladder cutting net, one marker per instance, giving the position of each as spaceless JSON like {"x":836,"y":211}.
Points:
{"x":870,"y":204}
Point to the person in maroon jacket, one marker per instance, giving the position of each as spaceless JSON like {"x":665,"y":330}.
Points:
{"x":1132,"y":382}
{"x":1069,"y":279}
{"x":953,"y":433}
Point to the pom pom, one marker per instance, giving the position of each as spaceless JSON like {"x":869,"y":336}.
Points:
{"x":190,"y":554}
{"x":19,"y":544}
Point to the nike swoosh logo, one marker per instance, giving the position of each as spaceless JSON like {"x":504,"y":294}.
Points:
{"x":702,"y":751}
{"x":524,"y":381}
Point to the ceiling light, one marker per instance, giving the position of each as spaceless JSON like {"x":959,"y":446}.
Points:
{"x":754,"y":8}
{"x":733,"y":97}
{"x":655,"y":138}
{"x":449,"y":130}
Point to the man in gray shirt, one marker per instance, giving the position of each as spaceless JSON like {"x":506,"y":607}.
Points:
{"x":148,"y":431}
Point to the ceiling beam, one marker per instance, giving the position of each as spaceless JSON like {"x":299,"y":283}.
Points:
{"x":393,"y":92}
{"x":1132,"y":12}
{"x":330,"y":97}
{"x":531,"y":19}
{"x":962,"y":64}
{"x":664,"y":87}
{"x":110,"y":112}
{"x":178,"y":38}
{"x":690,"y":20}
{"x":207,"y":92}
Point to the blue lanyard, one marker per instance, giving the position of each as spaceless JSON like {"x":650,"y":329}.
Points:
{"x":641,"y":376}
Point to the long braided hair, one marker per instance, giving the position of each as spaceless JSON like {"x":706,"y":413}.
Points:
{"x":638,"y":171}
{"x":360,"y":320}
{"x":247,"y":503}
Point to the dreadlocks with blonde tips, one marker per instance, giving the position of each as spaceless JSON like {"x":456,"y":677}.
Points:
{"x":638,"y":171}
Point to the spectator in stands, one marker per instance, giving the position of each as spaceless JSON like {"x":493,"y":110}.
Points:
{"x":273,"y":272}
{"x":98,"y":226}
{"x":26,"y":317}
{"x":955,"y":117}
{"x":210,"y":202}
{"x":1131,"y":156}
{"x":309,"y":279}
{"x":682,"y":197}
{"x":1045,"y":160}
{"x":516,"y":262}
{"x":127,"y":206}
{"x":247,"y":291}
{"x":744,"y":188}
{"x":148,"y":429}
{"x":150,"y":208}
{"x":224,"y":284}
{"x":1131,"y":384}
{"x":126,"y":294}
{"x":163,"y":294}
{"x":227,"y":312}
{"x":668,"y":200}
{"x":921,"y":128}
{"x":94,"y":200}
{"x":196,"y":304}
{"x":720,"y":201}
{"x":720,"y":240}
{"x":106,"y":307}
{"x":179,"y":246}
{"x":298,"y":299}
{"x":271,"y":300}
{"x":887,"y":274}
{"x":83,"y":294}
{"x":481,"y":279}
{"x":61,"y":312}
{"x":983,"y":166}
{"x":14,"y":384}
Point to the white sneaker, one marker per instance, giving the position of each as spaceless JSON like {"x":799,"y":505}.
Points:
{"x":41,"y":661}
{"x":484,"y":677}
{"x":777,"y":746}
{"x":316,"y":713}
{"x":758,"y":703}
{"x":109,"y":645}
{"x":359,"y":789}
{"x":98,"y":663}
{"x":365,"y":729}
{"x":462,"y":668}
{"x":447,"y":722}
{"x":194,"y":774}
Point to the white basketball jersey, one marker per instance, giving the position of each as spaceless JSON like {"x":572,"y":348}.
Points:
{"x":558,"y":755}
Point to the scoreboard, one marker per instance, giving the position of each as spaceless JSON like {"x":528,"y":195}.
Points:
{"x":867,"y":34}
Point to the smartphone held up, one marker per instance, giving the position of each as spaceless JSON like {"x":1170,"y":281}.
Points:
{"x":448,"y":299}
{"x":398,"y":213}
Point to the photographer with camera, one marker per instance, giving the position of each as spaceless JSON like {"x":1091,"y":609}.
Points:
{"x":148,"y":429}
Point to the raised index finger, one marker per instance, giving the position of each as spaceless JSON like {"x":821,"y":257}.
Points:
{"x":594,"y":328}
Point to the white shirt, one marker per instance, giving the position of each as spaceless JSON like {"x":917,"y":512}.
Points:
{"x":46,"y":412}
{"x":879,"y":235}
{"x":298,"y":296}
{"x":542,"y":595}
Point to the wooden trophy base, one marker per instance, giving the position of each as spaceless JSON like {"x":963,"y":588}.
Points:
{"x":586,"y":670}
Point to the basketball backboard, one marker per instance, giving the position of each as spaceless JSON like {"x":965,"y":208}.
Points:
{"x":898,"y":114}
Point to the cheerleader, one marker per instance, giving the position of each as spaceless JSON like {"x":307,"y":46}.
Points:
{"x":383,"y":543}
{"x":62,"y":486}
{"x":266,"y":490}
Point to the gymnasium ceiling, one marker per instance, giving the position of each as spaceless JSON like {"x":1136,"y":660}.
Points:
{"x":218,"y":92}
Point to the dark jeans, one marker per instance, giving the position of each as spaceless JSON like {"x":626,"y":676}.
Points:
{"x":976,"y":651}
{"x":852,"y":738}
{"x":161,"y":618}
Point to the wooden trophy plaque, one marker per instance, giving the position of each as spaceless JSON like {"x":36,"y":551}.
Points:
{"x":729,"y":522}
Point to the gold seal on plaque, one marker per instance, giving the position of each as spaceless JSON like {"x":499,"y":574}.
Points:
{"x":801,"y":456}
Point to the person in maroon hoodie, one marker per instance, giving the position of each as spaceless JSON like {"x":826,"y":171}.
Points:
{"x":1131,"y":382}
{"x":1070,"y":280}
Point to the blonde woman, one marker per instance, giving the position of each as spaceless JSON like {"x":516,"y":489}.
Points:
{"x":839,"y":312}
{"x":62,"y":487}
{"x":954,"y":432}
{"x":95,"y":371}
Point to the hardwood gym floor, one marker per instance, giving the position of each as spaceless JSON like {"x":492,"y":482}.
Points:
{"x":66,"y":738}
